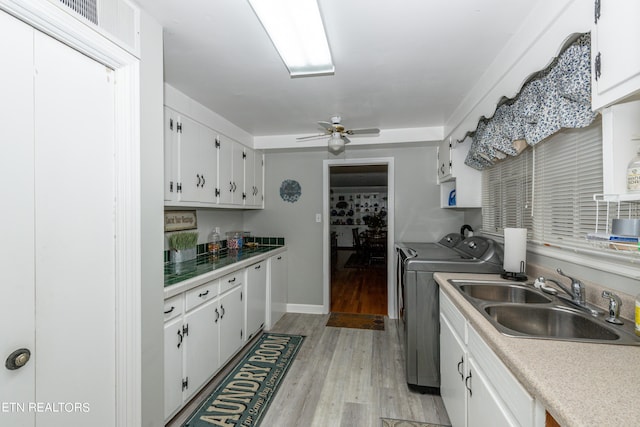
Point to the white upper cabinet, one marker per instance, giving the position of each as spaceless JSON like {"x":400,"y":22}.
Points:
{"x":198,"y":162}
{"x":170,"y":156}
{"x":460,"y":185}
{"x":614,"y":49}
{"x":253,"y":166}
{"x":231,"y":171}
{"x":205,"y":169}
{"x":444,"y":160}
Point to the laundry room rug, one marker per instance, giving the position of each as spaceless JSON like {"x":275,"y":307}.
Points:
{"x":356,"y":321}
{"x":390,"y":422}
{"x":242,"y":398}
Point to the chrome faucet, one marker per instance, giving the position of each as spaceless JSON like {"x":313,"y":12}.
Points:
{"x":577,"y":293}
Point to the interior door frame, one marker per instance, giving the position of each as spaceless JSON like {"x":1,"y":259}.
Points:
{"x":52,"y":20}
{"x":326,"y":241}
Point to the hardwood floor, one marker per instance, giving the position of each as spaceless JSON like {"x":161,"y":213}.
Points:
{"x":344,"y":377}
{"x":358,"y":290}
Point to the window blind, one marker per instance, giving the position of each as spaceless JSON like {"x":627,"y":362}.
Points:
{"x":507,"y":195}
{"x":548,"y":189}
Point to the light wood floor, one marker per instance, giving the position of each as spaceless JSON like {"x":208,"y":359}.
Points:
{"x":358,"y":290}
{"x":344,"y":378}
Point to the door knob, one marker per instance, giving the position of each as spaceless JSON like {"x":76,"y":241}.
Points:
{"x":17,"y":359}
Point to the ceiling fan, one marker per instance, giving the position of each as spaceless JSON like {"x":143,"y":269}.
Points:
{"x":338,"y":133}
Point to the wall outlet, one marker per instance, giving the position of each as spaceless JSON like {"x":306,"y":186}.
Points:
{"x":318,"y":217}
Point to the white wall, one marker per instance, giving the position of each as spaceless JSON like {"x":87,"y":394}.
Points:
{"x":152,"y":223}
{"x":418,"y":216}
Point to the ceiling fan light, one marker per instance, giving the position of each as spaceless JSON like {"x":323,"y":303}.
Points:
{"x":297,"y":32}
{"x":336,"y":144}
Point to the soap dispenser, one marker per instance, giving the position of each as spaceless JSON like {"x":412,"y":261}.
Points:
{"x":633,"y":171}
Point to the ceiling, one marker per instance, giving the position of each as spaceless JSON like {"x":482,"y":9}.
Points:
{"x":399,"y":64}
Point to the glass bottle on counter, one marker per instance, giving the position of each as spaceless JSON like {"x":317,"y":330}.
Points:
{"x":213,"y":246}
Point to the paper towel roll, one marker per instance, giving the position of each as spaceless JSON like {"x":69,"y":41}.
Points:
{"x":515,"y":250}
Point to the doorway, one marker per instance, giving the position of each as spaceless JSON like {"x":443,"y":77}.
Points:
{"x":358,"y":235}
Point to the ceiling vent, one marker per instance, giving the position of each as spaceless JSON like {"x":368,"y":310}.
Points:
{"x":119,"y":20}
{"x":86,"y":8}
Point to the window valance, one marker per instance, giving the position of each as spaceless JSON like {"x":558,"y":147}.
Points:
{"x":555,"y":98}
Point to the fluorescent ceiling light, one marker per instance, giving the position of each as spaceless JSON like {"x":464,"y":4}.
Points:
{"x":296,"y":30}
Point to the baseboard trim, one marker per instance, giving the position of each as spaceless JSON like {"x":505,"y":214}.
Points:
{"x":305,"y":309}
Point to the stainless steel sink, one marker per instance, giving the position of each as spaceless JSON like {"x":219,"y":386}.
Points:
{"x":520,"y":310}
{"x":503,"y":293}
{"x":548,"y":322}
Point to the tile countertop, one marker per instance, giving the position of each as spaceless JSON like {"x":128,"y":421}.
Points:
{"x":580,"y":384}
{"x":204,"y":268}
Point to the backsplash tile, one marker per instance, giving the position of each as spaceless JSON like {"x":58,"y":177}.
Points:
{"x":202,"y":248}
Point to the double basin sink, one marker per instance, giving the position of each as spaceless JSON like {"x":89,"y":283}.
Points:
{"x":520,"y":310}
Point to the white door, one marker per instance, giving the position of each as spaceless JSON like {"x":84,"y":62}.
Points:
{"x":58,"y":232}
{"x":17,"y":291}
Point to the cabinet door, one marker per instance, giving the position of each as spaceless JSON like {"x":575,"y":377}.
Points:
{"x":170,"y":155}
{"x":237,"y":173}
{"x":173,"y":345}
{"x":453,"y":358}
{"x":259,"y":179}
{"x":201,"y":349}
{"x":444,"y":160}
{"x":208,"y":165}
{"x":485,"y":407}
{"x":616,"y":35}
{"x":231,"y":323}
{"x":256,"y":297}
{"x":189,"y":163}
{"x":278,"y":281}
{"x":249,"y":191}
{"x":225,"y":170}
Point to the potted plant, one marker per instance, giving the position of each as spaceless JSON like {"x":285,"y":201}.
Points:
{"x":183,"y":246}
{"x":375,"y":222}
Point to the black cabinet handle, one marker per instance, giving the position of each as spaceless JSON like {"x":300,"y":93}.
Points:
{"x":232,"y":280}
{"x":170,"y":310}
{"x":257,"y":267}
{"x":198,"y":184}
{"x":180,"y":335}
{"x":217,"y":316}
{"x":459,"y":371}
{"x":466,"y":383}
{"x":279,"y":257}
{"x":203,"y":181}
{"x":223,"y":311}
{"x":203,"y":294}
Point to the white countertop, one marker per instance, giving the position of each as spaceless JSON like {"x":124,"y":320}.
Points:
{"x":580,"y":384}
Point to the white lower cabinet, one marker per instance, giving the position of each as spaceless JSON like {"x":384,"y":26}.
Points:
{"x":277,"y":288}
{"x":201,"y":346}
{"x":204,"y":328}
{"x":231,"y":323}
{"x":172,"y":366}
{"x":452,"y":373}
{"x":256,"y":297}
{"x":477,"y":388}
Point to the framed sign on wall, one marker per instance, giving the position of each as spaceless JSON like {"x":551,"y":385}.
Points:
{"x":180,"y":220}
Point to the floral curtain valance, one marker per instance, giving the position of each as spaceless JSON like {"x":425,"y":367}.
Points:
{"x":557,"y":97}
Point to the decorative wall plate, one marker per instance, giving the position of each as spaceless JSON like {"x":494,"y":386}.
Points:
{"x":290,"y":190}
